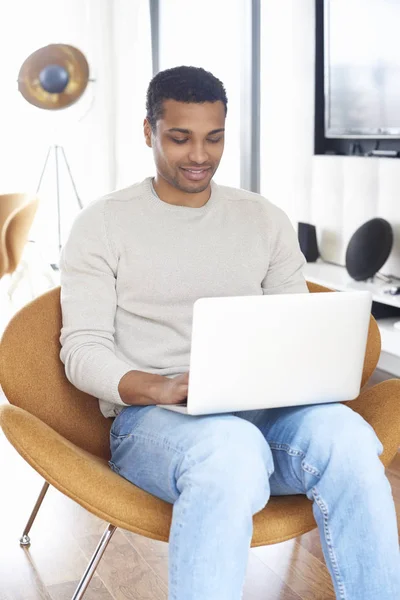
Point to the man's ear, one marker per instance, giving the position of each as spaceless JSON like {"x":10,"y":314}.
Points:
{"x":147,"y":132}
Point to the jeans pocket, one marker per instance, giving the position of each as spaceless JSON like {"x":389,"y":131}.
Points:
{"x":127,"y":420}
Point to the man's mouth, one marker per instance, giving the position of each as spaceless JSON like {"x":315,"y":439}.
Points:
{"x":195,"y":174}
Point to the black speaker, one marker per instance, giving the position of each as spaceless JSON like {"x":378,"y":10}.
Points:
{"x":369,"y":249}
{"x":308,"y":241}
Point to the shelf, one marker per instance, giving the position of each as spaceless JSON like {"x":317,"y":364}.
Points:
{"x":390,"y":335}
{"x":337,"y":277}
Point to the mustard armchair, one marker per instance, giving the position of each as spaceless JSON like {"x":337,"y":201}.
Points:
{"x":61,"y":433}
{"x":17,"y":212}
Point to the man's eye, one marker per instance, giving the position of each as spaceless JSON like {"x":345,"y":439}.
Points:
{"x":178,"y":141}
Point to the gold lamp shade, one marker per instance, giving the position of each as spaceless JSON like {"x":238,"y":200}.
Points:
{"x":54,"y":77}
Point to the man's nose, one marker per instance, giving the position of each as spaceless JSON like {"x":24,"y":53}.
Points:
{"x":198,"y":154}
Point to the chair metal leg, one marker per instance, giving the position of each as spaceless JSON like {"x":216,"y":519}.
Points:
{"x":94,"y":561}
{"x":25,"y":539}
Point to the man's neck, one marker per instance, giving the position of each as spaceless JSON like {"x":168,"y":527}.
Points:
{"x":171,"y":195}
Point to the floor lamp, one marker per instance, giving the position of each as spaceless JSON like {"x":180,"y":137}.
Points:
{"x":53,"y":78}
{"x":59,"y":156}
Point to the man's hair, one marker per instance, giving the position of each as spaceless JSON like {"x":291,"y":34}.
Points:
{"x":183,"y":84}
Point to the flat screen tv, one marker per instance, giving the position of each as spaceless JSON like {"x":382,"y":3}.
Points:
{"x":362,"y":68}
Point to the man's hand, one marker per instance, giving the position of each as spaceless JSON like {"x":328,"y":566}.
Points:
{"x":173,"y":390}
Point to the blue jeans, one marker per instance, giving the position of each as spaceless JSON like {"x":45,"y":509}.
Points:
{"x":219,"y":470}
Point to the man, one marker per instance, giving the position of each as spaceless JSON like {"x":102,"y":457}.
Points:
{"x":134,"y":264}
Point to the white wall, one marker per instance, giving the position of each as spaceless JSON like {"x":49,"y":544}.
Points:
{"x":335,"y":193}
{"x":133,"y":71}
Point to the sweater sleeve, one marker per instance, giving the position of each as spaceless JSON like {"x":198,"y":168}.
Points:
{"x":284,"y":275}
{"x":88,"y":268}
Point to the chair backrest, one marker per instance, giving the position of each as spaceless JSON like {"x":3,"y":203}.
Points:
{"x":15,"y":227}
{"x":33,"y":377}
{"x":8,"y":203}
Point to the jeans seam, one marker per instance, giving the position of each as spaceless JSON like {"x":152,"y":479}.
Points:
{"x":335,"y":567}
{"x":293,"y":452}
{"x":113,"y":467}
{"x":321,"y":505}
{"x":174,"y":568}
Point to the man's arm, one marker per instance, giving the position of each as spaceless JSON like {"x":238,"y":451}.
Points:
{"x":88,"y":267}
{"x":284,"y":275}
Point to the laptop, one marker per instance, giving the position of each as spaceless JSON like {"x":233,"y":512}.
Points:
{"x":253,"y":352}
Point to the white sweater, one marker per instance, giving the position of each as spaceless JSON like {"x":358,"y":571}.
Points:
{"x":134,"y":265}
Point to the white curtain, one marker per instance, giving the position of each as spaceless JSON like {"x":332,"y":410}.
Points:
{"x":210,"y":34}
{"x":101,"y":133}
{"x":133,"y":72}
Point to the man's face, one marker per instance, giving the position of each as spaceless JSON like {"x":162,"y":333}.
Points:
{"x":188,"y":143}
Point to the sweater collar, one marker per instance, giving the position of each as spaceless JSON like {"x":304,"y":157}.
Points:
{"x":182,"y":209}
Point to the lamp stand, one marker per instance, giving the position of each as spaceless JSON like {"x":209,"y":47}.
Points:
{"x":59,"y":154}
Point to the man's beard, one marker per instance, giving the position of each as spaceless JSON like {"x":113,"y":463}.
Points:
{"x":190,"y":190}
